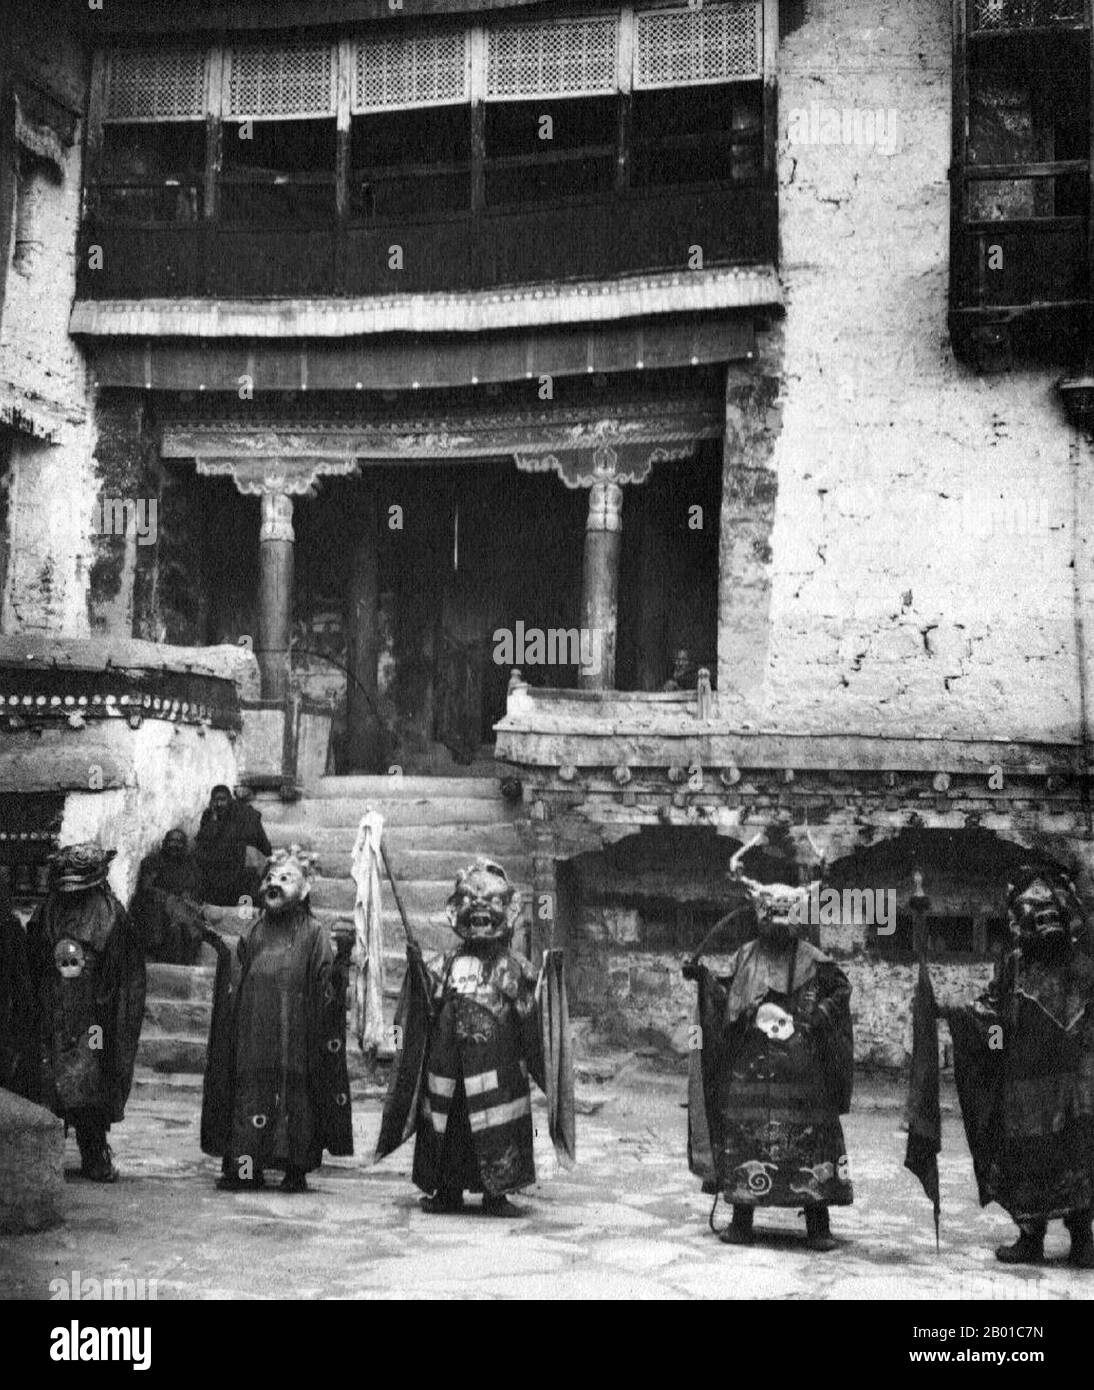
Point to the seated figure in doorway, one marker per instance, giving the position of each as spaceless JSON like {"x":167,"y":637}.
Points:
{"x":685,"y":673}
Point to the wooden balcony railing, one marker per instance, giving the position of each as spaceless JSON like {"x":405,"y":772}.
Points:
{"x":1026,"y":16}
{"x":581,"y":238}
{"x":1012,"y":250}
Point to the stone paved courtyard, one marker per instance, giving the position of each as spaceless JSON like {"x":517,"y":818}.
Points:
{"x":627,"y":1222}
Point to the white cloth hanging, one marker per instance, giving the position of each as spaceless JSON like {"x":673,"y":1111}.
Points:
{"x":367,"y":958}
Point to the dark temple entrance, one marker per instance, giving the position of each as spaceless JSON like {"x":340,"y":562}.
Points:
{"x":418,"y":586}
{"x":410,"y":570}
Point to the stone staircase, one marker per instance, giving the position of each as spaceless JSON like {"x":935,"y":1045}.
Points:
{"x":433,"y":826}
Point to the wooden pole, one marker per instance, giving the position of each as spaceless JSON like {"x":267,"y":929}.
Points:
{"x":362,"y":642}
{"x":600,"y":580}
{"x":275,"y":583}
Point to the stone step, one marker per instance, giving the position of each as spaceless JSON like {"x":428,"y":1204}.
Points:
{"x":184,"y":1052}
{"x":179,"y":981}
{"x":189,"y":989}
{"x":188,"y":1016}
{"x":396,"y":788}
{"x":459,"y":842}
{"x":342,"y":811}
{"x":172,"y":1052}
{"x":421,"y":898}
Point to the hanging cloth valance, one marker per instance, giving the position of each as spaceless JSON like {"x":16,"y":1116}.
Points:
{"x":42,"y":125}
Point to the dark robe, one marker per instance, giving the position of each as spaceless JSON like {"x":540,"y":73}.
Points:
{"x":166,"y":908}
{"x":764,"y":1123}
{"x":18,"y":1040}
{"x":276,"y":1084}
{"x":470,"y":1033}
{"x":1024,"y":1068}
{"x":90,"y":1023}
{"x":220,"y":850}
{"x":250,"y":828}
{"x":924,"y":1111}
{"x":475,"y":1133}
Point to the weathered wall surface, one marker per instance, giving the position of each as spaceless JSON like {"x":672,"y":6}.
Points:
{"x":43,"y":375}
{"x":51,"y":487}
{"x":635,"y":998}
{"x":924,"y":531}
{"x":171,"y":771}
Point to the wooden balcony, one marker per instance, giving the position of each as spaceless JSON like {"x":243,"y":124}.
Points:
{"x":581,"y":238}
{"x":1040,"y":263}
{"x":1002,"y":18}
{"x":1019,"y":257}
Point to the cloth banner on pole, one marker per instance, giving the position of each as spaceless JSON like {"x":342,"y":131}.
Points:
{"x":367,"y":957}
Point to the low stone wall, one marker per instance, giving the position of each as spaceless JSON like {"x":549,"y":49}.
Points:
{"x":640,"y":998}
{"x":133,"y":735}
{"x":32,"y":1148}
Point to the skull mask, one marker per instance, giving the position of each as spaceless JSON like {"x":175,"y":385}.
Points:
{"x":775,"y":1022}
{"x":484,"y":905}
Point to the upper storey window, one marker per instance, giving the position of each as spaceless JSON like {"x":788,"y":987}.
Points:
{"x":407,"y":125}
{"x":1020,"y":258}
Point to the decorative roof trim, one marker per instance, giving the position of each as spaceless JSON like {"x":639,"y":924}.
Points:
{"x":674,"y":292}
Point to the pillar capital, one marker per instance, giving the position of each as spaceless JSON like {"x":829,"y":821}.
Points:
{"x":284,"y":475}
{"x":605,"y":506}
{"x":276,"y":517}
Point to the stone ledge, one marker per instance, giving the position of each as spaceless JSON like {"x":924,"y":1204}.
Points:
{"x":45,"y":651}
{"x":32,"y":1147}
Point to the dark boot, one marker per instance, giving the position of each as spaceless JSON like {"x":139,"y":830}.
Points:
{"x":444,"y":1202}
{"x":1081,"y":1254}
{"x":498,"y":1206}
{"x":818,"y":1230}
{"x":739,"y":1230}
{"x":96,"y":1159}
{"x":1028,"y":1249}
{"x":100,"y":1168}
{"x":295,"y":1180}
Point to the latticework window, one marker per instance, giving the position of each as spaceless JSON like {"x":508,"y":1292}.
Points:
{"x":284,"y":83}
{"x":714,"y":43}
{"x":567,"y":58}
{"x":156,"y":85}
{"x":423,"y":70}
{"x":1025,"y":14}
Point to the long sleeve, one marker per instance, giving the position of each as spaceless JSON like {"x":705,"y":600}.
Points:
{"x":125,"y":972}
{"x":327,"y":1044}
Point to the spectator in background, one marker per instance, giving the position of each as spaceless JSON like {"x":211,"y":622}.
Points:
{"x":166,"y":906}
{"x":229,"y":827}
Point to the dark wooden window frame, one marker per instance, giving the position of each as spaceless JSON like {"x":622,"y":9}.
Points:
{"x":1062,"y":245}
{"x":344,"y":223}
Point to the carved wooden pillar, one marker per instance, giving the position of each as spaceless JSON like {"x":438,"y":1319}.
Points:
{"x":275,"y":579}
{"x":600,"y":579}
{"x":275,"y":478}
